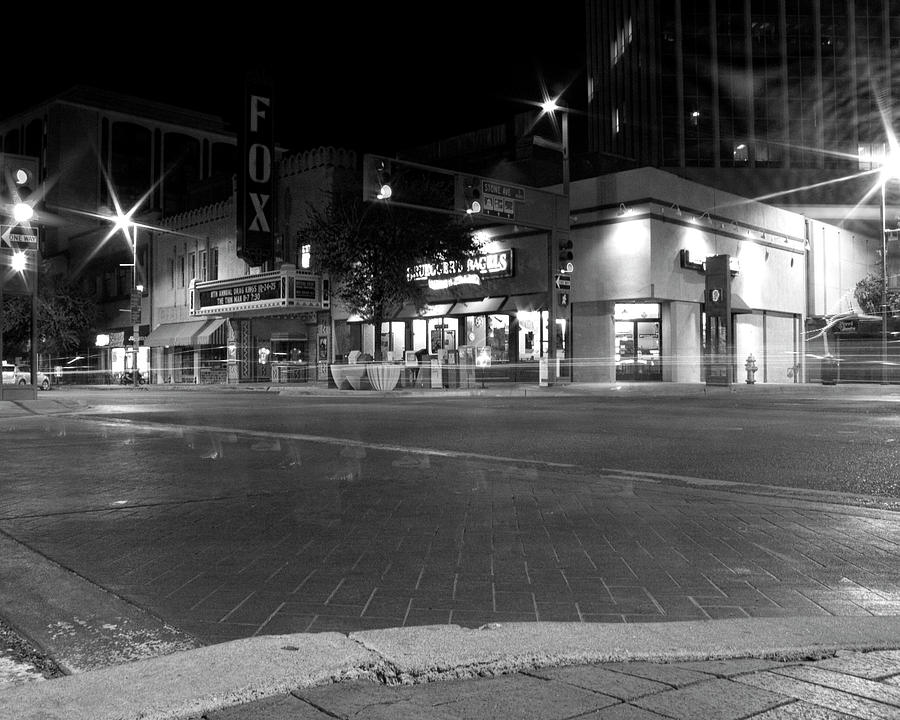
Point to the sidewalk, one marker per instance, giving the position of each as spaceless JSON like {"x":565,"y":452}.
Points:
{"x":500,"y":388}
{"x":823,"y":667}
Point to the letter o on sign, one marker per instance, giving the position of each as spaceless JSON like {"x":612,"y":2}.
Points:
{"x":260,"y":163}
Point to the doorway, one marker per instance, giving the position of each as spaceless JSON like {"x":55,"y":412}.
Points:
{"x":638,"y":342}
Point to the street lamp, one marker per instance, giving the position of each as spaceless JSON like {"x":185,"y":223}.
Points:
{"x":551,"y":106}
{"x":890,"y":170}
{"x":125,"y":224}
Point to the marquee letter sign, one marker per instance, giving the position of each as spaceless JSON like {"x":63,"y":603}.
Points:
{"x":256,"y":180}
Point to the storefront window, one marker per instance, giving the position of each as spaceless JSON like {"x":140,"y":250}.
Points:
{"x":498,"y":337}
{"x":393,"y":341}
{"x":443,"y":334}
{"x":529,"y":336}
{"x":419,"y":335}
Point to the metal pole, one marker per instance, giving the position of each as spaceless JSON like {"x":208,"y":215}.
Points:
{"x":565,"y":150}
{"x":34,"y":322}
{"x":1,"y":332}
{"x":135,"y":314}
{"x":884,"y":357}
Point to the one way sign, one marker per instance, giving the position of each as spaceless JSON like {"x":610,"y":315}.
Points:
{"x":13,"y":236}
{"x":563,"y":282}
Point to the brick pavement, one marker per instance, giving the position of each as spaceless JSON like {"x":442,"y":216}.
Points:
{"x":268,"y":537}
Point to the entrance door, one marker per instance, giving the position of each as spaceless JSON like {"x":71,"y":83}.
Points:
{"x":638,"y":350}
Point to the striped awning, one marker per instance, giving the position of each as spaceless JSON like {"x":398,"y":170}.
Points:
{"x":190,"y":333}
{"x":213,"y":333}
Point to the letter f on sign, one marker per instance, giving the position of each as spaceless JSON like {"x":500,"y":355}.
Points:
{"x":258,"y":106}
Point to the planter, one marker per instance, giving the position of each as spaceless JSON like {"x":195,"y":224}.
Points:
{"x":383,"y":376}
{"x":338,"y":372}
{"x":356,"y":376}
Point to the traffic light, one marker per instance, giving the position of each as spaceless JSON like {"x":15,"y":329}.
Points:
{"x":377,"y":177}
{"x":566,"y":256}
{"x":383,"y":171}
{"x":472,"y":195}
{"x":18,"y":184}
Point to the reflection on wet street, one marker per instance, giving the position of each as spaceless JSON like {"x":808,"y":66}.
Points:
{"x":233,"y":534}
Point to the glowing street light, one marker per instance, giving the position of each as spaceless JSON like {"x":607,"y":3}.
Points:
{"x":19,"y":261}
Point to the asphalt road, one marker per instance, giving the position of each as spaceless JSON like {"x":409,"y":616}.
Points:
{"x":834,"y":443}
{"x":165,"y":520}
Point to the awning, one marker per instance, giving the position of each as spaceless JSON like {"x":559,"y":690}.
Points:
{"x":213,"y":333}
{"x":525,"y":303}
{"x":173,"y":334}
{"x":476,"y":307}
{"x":436,"y":310}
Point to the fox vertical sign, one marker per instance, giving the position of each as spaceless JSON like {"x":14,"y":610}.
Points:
{"x":256,"y":180}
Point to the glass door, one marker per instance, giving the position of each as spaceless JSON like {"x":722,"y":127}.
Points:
{"x":638,"y":350}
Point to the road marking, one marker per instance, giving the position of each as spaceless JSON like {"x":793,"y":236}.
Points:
{"x":324,"y":439}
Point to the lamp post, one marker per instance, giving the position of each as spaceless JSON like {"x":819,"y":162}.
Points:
{"x":17,"y":176}
{"x":122,"y":221}
{"x":135,"y":308}
{"x":550,"y":107}
{"x":890,"y":170}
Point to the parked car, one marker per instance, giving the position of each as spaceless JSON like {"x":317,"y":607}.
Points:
{"x":21,"y":375}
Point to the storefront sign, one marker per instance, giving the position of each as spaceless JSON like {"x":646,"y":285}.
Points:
{"x":491,"y":265}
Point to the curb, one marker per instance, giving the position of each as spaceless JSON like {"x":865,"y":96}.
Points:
{"x":192,"y":682}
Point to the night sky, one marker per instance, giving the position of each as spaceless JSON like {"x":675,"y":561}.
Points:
{"x":375,"y":78}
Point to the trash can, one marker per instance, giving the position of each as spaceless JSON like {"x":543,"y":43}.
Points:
{"x":829,"y":370}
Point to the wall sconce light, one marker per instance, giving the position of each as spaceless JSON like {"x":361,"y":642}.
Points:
{"x":676,"y":208}
{"x":622,"y":210}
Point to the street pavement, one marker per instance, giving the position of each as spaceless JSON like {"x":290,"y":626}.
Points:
{"x":776,"y":607}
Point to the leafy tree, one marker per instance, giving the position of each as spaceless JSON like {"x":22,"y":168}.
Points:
{"x":66,"y":318}
{"x":868,"y":294}
{"x":368,"y":248}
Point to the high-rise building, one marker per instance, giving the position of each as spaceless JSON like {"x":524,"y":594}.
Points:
{"x":757,"y":97}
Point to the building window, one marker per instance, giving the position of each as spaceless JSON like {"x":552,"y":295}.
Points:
{"x":172,"y":272}
{"x":304,"y":257}
{"x":192,"y":266}
{"x":622,"y":40}
{"x":181,"y":271}
{"x":213,"y":271}
{"x":202,"y":266}
{"x":123,"y":281}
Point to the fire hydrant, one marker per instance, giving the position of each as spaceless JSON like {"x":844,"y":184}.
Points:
{"x":750,"y":367}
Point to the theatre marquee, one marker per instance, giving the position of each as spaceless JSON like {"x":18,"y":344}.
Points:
{"x":279,"y":290}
